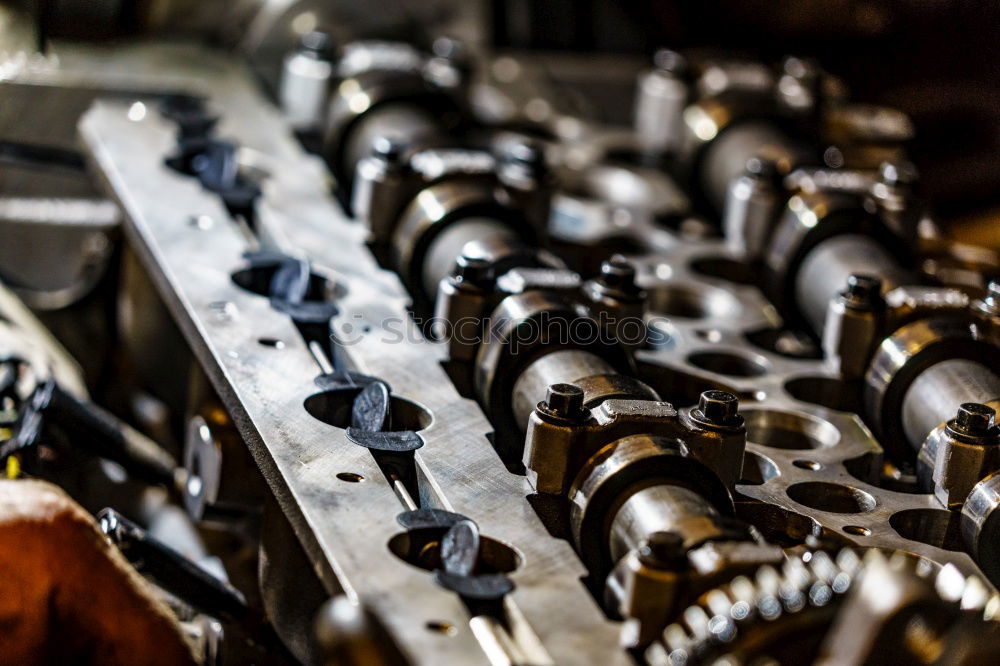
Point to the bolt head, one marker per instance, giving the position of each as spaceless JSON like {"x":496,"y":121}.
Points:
{"x":974,"y":419}
{"x":318,"y":43}
{"x":863,"y":290}
{"x":474,"y":271}
{"x":388,"y":149}
{"x":672,"y":62}
{"x":718,"y":407}
{"x":618,"y":272}
{"x":564,"y":400}
{"x":663,"y":550}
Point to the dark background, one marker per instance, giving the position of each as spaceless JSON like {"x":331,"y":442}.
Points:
{"x":938,"y":60}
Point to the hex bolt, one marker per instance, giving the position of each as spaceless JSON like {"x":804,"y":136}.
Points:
{"x":663,"y":550}
{"x":318,"y":43}
{"x":564,"y":400}
{"x":718,"y":407}
{"x":472,"y":270}
{"x":974,"y":419}
{"x":618,"y":273}
{"x":863,"y":291}
{"x":389,"y":150}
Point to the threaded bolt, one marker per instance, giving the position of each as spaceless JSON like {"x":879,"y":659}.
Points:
{"x":718,"y":407}
{"x":564,"y":400}
{"x":974,"y":419}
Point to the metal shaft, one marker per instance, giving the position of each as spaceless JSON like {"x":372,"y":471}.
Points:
{"x":825,"y":270}
{"x":559,"y":367}
{"x":447,"y":246}
{"x":662,"y":508}
{"x":934,"y":396}
{"x":400,"y":121}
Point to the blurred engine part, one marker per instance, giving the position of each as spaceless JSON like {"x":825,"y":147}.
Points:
{"x":412,"y":353}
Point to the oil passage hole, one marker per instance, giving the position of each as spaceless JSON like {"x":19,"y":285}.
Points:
{"x":831,"y":497}
{"x":810,"y":465}
{"x":445,"y":628}
{"x":725,"y":363}
{"x":350,"y":477}
{"x":271,"y":342}
{"x":422,"y":548}
{"x":334,"y":408}
{"x":857,"y":530}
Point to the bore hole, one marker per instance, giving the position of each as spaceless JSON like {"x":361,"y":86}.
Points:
{"x":350,"y":477}
{"x":271,"y":342}
{"x":789,"y":430}
{"x":334,"y":408}
{"x":725,"y":269}
{"x":857,"y":530}
{"x":831,"y":497}
{"x":446,"y":628}
{"x":725,"y":363}
{"x":824,"y":391}
{"x":688,"y":302}
{"x":935,"y":527}
{"x":257,"y":279}
{"x":810,"y":465}
{"x":757,"y":469}
{"x":785,"y":342}
{"x":422,"y":548}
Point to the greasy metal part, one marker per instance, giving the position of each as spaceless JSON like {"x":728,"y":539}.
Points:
{"x":557,"y":367}
{"x":662,"y":508}
{"x":957,"y":454}
{"x":300,"y":455}
{"x":439,"y":261}
{"x":633,"y":467}
{"x":980,"y":522}
{"x":826,"y":269}
{"x":932,"y":398}
{"x":727,"y":155}
{"x":899,"y":361}
{"x":661,"y":97}
{"x":305,"y":82}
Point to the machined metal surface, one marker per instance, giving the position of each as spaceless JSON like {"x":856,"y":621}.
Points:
{"x":300,"y":455}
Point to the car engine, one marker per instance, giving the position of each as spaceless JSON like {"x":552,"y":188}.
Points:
{"x":515,"y":334}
